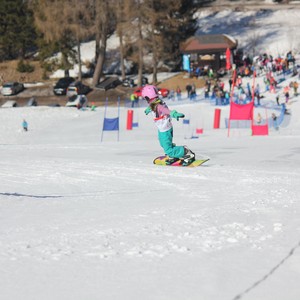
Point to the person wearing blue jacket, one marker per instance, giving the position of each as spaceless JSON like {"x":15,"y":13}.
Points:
{"x":25,"y":125}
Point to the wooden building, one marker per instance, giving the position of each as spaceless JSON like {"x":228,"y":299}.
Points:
{"x":207,"y":51}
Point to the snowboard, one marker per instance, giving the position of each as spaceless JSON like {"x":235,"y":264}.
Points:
{"x":161,"y":161}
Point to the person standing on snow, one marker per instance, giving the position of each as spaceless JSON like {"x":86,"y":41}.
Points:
{"x":162,"y":118}
{"x":286,"y":92}
{"x":25,"y":125}
{"x":133,"y":99}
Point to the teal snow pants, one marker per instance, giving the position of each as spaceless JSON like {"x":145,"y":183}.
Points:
{"x":166,"y":141}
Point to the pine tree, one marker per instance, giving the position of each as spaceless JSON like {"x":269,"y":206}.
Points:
{"x":17,"y":32}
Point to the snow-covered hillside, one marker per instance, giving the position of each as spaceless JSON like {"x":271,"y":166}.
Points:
{"x":257,"y":31}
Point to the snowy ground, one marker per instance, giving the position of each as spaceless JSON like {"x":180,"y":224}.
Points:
{"x":81,"y":219}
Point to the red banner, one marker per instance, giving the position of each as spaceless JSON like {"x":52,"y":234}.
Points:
{"x":241,"y":111}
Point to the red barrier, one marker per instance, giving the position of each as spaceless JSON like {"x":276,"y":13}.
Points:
{"x":129,"y":119}
{"x":199,"y":130}
{"x":260,"y":129}
{"x":217,"y":118}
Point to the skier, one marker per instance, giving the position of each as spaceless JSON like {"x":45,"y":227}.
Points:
{"x":162,"y":118}
{"x":25,"y":125}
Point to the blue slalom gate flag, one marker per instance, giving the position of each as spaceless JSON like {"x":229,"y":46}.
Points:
{"x":111,"y":124}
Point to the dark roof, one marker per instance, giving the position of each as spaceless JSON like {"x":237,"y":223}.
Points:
{"x":208,"y":42}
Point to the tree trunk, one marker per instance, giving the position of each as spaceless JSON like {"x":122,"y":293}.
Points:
{"x":140,"y":45}
{"x":154,"y":57}
{"x":79,"y":61}
{"x":101,"y":57}
{"x":154,"y":76}
{"x":122,"y":65}
{"x":65,"y":63}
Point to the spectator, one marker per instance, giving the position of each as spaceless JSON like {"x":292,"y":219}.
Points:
{"x":171,"y":95}
{"x":133,"y":99}
{"x":206,"y":91}
{"x":286,"y":93}
{"x":259,"y":118}
{"x":178,"y":92}
{"x":277,"y":100}
{"x":210,"y":73}
{"x":295,"y":86}
{"x":275,"y":124}
{"x":198,"y":72}
{"x":208,"y":83}
{"x":227,"y":97}
{"x":257,"y":94}
{"x":230,"y":84}
{"x":193,"y":92}
{"x":239,"y":81}
{"x":188,"y":89}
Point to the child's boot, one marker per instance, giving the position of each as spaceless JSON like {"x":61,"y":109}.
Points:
{"x":171,"y":160}
{"x":188,"y":157}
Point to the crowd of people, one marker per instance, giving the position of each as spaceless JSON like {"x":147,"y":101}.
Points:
{"x":253,"y":78}
{"x":272,"y":71}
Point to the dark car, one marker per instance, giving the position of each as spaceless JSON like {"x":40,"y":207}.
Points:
{"x":108,"y":83}
{"x":77,"y":88}
{"x":61,"y":85}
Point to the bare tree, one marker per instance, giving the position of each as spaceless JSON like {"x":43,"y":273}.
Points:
{"x":64,"y":22}
{"x":122,"y":26}
{"x":80,"y":26}
{"x":162,"y":23}
{"x":104,"y":21}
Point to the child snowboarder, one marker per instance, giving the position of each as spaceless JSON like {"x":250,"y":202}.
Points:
{"x":162,"y":119}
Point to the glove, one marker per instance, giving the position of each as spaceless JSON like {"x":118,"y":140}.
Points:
{"x":147,"y":110}
{"x":176,"y":115}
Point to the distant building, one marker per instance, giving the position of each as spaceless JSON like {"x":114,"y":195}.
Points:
{"x":207,"y":51}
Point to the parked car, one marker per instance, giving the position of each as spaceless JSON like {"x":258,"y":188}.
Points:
{"x":9,"y":103}
{"x":77,"y":88}
{"x":108,"y":83}
{"x":77,"y":101}
{"x":161,"y":91}
{"x":128,"y":82}
{"x":12,"y":88}
{"x":54,"y":105}
{"x":32,"y":102}
{"x":61,"y":85}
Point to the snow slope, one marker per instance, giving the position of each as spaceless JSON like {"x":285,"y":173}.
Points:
{"x":258,"y":31}
{"x":81,"y":219}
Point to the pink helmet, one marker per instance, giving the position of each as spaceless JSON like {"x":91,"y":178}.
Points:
{"x":149,"y":92}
